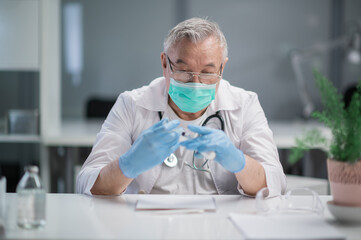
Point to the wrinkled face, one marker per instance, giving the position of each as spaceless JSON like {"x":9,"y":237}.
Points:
{"x":202,"y":57}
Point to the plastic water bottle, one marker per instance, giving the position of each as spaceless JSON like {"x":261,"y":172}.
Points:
{"x":30,"y":200}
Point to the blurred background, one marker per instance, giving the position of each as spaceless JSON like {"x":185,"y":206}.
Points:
{"x":66,"y":61}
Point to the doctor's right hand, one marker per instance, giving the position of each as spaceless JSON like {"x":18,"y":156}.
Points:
{"x":151,"y":148}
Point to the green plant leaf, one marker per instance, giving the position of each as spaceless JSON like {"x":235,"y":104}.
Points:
{"x":345,"y":125}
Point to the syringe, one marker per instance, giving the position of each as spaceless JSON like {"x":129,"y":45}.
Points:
{"x":207,"y":155}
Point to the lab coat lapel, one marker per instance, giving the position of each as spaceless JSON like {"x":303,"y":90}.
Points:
{"x":225,"y":181}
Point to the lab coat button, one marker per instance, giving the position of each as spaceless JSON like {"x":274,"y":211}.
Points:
{"x":141,"y":192}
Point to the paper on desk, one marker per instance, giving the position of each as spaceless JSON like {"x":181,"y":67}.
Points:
{"x":175,"y":202}
{"x":284,"y":226}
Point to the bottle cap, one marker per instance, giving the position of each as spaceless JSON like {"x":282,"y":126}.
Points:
{"x":32,"y":169}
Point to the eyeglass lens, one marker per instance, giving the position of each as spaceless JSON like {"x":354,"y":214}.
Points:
{"x":206,"y":78}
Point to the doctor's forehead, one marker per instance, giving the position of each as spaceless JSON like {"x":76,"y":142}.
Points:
{"x":180,"y":61}
{"x":185,"y":51}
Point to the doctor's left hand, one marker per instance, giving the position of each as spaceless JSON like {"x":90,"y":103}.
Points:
{"x":210,"y":139}
{"x":151,"y":148}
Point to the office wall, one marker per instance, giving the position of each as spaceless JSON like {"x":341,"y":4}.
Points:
{"x":123,"y":40}
{"x":261,"y":35}
{"x":122,"y":45}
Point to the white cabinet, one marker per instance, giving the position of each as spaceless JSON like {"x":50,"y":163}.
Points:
{"x":30,"y":42}
{"x":19,"y":34}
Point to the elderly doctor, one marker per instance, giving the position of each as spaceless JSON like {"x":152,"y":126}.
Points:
{"x":141,"y":149}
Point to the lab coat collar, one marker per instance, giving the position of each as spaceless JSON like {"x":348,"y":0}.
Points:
{"x":227,"y":98}
{"x":154,"y":97}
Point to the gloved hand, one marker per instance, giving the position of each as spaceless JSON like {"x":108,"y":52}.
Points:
{"x":210,"y":139}
{"x":151,"y":148}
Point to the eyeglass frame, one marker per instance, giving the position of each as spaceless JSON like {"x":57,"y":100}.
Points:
{"x":219,"y":76}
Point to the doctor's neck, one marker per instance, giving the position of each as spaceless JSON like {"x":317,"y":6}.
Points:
{"x":187,"y":116}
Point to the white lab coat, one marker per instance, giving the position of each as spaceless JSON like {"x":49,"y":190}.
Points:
{"x":137,"y":110}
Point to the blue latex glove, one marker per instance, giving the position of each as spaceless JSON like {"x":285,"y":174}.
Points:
{"x":210,"y":139}
{"x":151,"y":148}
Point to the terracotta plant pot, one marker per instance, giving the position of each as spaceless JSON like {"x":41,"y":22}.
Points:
{"x":345,"y":182}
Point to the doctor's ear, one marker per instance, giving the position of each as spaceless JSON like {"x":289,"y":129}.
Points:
{"x":224,"y":62}
{"x":163,"y":60}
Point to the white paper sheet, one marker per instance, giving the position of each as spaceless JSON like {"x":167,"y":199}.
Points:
{"x":284,"y":226}
{"x":176,"y":202}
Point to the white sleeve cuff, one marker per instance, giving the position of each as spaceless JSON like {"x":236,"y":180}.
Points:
{"x":240,"y":190}
{"x":275,"y":180}
{"x":86,"y":180}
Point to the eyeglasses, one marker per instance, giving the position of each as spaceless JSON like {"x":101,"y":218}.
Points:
{"x":288,"y":203}
{"x":206,"y":78}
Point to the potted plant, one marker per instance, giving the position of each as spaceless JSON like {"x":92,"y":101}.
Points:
{"x":344,"y":146}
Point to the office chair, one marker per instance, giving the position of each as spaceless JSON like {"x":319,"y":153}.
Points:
{"x":348,"y":94}
{"x":97,"y":108}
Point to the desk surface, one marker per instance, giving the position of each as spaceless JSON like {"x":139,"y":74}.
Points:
{"x":72,"y":216}
{"x":82,"y":133}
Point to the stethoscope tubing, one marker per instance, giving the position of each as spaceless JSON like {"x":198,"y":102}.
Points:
{"x":215,"y":115}
{"x":172,"y":161}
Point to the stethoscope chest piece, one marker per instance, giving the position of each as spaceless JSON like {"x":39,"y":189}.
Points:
{"x":171,"y":160}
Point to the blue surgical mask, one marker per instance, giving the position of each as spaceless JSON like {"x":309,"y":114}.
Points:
{"x":191,"y":97}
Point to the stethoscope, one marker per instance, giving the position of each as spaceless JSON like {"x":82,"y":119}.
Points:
{"x":172,"y":160}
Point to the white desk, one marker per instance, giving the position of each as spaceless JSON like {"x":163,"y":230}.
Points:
{"x":71,"y":216}
{"x":318,"y":185}
{"x":286,"y":132}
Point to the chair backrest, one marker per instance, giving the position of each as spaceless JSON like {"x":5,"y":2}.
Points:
{"x":348,"y":94}
{"x":99,"y":107}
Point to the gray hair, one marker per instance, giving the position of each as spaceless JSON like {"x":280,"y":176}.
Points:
{"x":196,"y":30}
